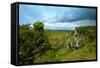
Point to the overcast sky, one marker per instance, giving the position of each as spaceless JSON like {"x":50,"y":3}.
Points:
{"x":57,"y":18}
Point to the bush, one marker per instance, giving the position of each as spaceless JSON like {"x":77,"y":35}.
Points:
{"x":32,"y":42}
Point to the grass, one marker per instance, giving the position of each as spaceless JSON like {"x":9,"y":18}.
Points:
{"x":39,"y":46}
{"x":59,"y":52}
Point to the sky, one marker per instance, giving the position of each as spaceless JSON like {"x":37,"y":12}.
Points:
{"x":57,"y":18}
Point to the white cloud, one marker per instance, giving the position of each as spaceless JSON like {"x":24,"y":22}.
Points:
{"x":68,"y":25}
{"x":85,"y":22}
{"x":60,"y":26}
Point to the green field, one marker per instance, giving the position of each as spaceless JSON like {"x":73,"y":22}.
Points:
{"x":59,"y":52}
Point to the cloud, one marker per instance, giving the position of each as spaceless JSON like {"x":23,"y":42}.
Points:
{"x":68,"y":25}
{"x":53,"y":14}
{"x":85,"y":22}
{"x":75,"y":14}
{"x":59,"y":26}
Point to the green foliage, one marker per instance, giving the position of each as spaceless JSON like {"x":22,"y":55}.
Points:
{"x":26,"y":35}
{"x":38,"y":26}
{"x":40,"y":39}
{"x":32,"y":42}
{"x":88,"y":31}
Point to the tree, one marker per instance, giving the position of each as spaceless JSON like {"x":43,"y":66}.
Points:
{"x":40,"y":38}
